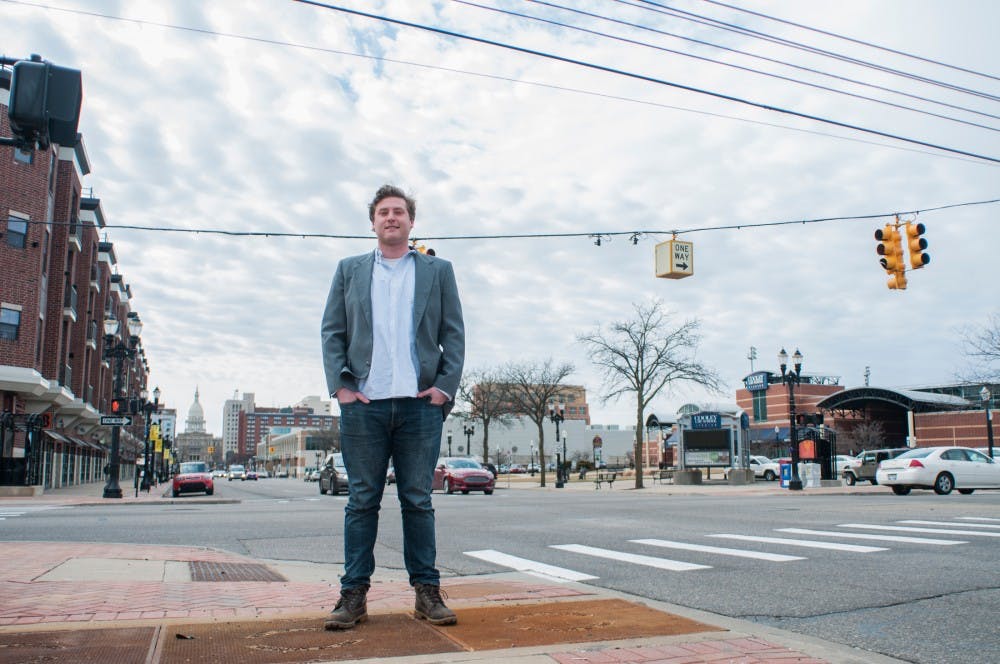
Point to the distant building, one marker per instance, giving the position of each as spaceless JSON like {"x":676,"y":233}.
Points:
{"x":195,"y":444}
{"x":257,"y":423}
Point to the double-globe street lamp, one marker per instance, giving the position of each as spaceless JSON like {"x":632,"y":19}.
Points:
{"x":791,"y":379}
{"x":985,"y":395}
{"x":468,"y":430}
{"x":557,"y":414}
{"x":119,"y":350}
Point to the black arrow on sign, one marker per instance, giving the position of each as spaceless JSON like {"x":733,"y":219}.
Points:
{"x":682,"y":266}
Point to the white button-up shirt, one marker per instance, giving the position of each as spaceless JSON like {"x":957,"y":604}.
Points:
{"x":393,"y":371}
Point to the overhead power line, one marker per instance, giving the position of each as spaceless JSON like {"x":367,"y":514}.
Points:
{"x":660,"y":8}
{"x":516,"y":236}
{"x":641,"y":77}
{"x":755,"y":56}
{"x":854,"y":41}
{"x":722,"y":63}
{"x":508,"y":79}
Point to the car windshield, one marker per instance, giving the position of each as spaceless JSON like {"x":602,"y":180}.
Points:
{"x":194,"y":467}
{"x":916,"y":454}
{"x":236,"y":469}
{"x":462,"y":463}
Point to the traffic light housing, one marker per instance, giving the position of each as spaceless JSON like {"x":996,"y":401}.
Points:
{"x":44,"y":105}
{"x":916,"y":244}
{"x":890,"y":248}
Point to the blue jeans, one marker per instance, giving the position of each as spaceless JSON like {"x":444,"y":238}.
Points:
{"x":409,"y":431}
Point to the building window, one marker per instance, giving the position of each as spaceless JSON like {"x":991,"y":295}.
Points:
{"x":24,"y":156}
{"x":760,"y":406}
{"x":17,"y":231}
{"x":10,"y":321}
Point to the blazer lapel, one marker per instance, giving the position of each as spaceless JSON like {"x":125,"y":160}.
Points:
{"x":363,"y":275}
{"x":423,"y":278}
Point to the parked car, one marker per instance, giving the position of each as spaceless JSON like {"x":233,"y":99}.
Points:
{"x":390,"y":475}
{"x":868,"y":462}
{"x":516,"y":468}
{"x":762,"y":467}
{"x":237,"y":472}
{"x":490,"y":467}
{"x":193,"y":477}
{"x":251,"y":475}
{"x":941,"y":469}
{"x":462,"y":474}
{"x":333,"y":475}
{"x":844,"y":462}
{"x":262,"y":474}
{"x":219,"y":472}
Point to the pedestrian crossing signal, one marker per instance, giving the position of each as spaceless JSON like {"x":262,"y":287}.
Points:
{"x":119,"y":406}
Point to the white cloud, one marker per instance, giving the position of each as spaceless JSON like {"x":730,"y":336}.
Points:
{"x":191,"y":130}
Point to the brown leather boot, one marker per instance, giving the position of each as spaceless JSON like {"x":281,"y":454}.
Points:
{"x":430,"y":606}
{"x":351,"y":609}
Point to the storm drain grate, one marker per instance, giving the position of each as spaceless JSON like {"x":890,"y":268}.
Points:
{"x":81,"y":646}
{"x":208,"y":571}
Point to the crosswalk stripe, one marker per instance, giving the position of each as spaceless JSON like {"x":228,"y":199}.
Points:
{"x":918,"y":522}
{"x":913,"y":529}
{"x":649,"y":561}
{"x":856,"y":548}
{"x":529,"y":566}
{"x":979,"y":518}
{"x":740,"y":553}
{"x":866,"y":536}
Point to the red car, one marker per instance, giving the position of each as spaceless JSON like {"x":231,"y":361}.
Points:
{"x":193,"y":477}
{"x":462,"y":474}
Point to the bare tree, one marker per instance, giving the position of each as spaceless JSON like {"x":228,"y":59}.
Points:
{"x":529,"y":389}
{"x":484,"y":392}
{"x":645,"y":355}
{"x":864,"y":435}
{"x":982,"y":347}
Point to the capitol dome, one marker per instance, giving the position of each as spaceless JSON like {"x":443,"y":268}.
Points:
{"x":196,"y":417}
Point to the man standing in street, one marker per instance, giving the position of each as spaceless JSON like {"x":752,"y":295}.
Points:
{"x":393,"y":349}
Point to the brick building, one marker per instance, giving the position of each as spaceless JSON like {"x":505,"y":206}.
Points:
{"x":256,"y":424}
{"x":59,"y":282}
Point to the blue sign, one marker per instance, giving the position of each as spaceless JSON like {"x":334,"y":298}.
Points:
{"x":706,"y":421}
{"x":756,"y":382}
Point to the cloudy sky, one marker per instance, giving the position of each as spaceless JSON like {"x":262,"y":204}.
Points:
{"x":285,"y":117}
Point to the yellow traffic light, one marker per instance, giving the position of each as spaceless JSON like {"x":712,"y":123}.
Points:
{"x":916,"y":245}
{"x":890,"y":248}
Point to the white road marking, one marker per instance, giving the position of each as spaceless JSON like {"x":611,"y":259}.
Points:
{"x":855,"y":548}
{"x":866,"y":536}
{"x":950,"y":524}
{"x":979,"y":518}
{"x":908,"y":529}
{"x":649,"y":561}
{"x":529,"y":566}
{"x":739,"y":553}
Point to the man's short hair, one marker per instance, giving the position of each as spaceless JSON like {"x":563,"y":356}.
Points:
{"x":392,"y":191}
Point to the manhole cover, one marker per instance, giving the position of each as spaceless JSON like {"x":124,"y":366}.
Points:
{"x":208,"y":571}
{"x":81,"y":646}
{"x":495,"y":627}
{"x":301,"y":640}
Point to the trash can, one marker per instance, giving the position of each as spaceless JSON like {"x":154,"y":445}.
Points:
{"x":786,"y":474}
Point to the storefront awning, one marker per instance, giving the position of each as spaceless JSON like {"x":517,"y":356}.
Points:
{"x":59,"y":438}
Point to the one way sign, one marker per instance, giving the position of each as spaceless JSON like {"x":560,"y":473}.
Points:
{"x":674,"y":259}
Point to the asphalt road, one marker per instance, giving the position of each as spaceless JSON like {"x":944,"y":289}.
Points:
{"x":920,"y":601}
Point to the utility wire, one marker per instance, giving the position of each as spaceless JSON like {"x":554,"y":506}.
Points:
{"x":853,"y":40}
{"x":319,"y":49}
{"x":641,"y":77}
{"x":717,"y":62}
{"x":517,"y":236}
{"x":715,"y":23}
{"x":755,"y":56}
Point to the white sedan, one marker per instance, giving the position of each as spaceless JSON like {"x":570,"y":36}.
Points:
{"x":941,"y":469}
{"x":762,"y":467}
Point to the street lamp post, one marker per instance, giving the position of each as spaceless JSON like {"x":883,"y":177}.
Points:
{"x":791,"y":379}
{"x":531,"y":460}
{"x":557,"y":414}
{"x":148,"y":408}
{"x":449,"y":442}
{"x":985,"y":395}
{"x":119,"y":351}
{"x":468,"y":430}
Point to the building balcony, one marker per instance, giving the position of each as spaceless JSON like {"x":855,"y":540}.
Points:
{"x":75,"y":238}
{"x":69,"y":303}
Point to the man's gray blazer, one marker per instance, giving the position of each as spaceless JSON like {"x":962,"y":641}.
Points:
{"x":437,"y":324}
